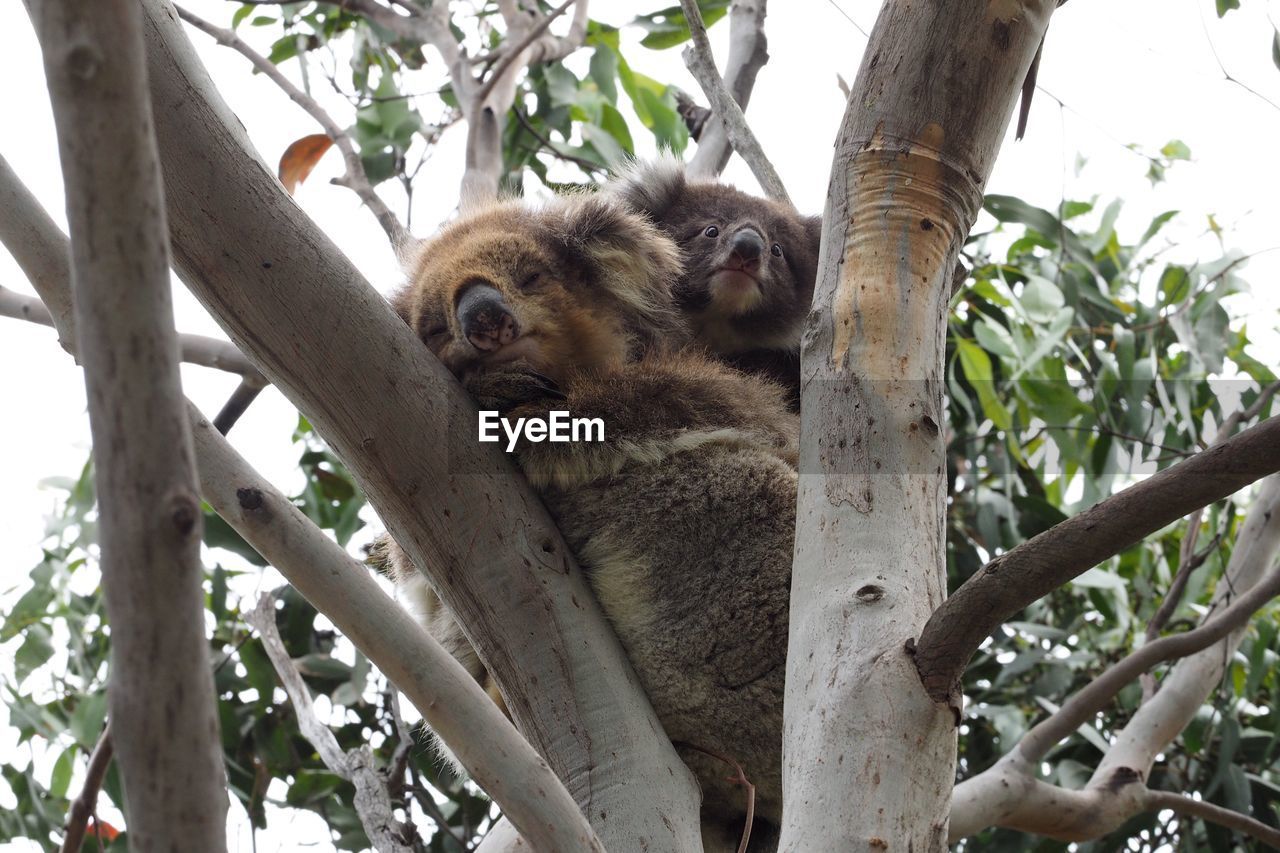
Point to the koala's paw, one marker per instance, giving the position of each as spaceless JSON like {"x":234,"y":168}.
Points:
{"x":508,"y":389}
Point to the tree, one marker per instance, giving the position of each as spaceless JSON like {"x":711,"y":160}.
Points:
{"x":1058,"y":353}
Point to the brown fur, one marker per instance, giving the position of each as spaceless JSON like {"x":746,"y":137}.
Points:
{"x":754,"y":326}
{"x":682,"y":518}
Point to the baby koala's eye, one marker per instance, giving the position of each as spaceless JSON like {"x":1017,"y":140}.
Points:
{"x":776,"y":251}
{"x":530,"y":281}
{"x":711,"y":231}
{"x":436,"y":331}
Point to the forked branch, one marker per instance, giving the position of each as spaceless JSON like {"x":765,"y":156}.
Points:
{"x":701,"y":64}
{"x":355,"y":179}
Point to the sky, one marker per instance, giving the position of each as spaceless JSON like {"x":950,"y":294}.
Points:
{"x":1114,"y":74}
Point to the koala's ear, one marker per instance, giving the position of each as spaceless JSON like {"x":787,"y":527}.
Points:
{"x":812,"y":233}
{"x":651,"y":187}
{"x":624,"y":256}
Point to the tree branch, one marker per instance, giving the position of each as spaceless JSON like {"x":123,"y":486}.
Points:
{"x":355,"y":179}
{"x":1035,"y":568}
{"x":748,"y":53}
{"x":86,"y":802}
{"x":1206,"y":811}
{"x":1009,"y":795}
{"x":513,"y":54}
{"x":1188,"y":559}
{"x":194,"y":349}
{"x":449,"y":699}
{"x":371,"y":802}
{"x":161,"y":700}
{"x":701,"y":64}
{"x":406,"y":431}
{"x":1095,"y":696}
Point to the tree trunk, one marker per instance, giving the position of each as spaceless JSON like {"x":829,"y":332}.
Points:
{"x":869,"y":757}
{"x":161,"y":698}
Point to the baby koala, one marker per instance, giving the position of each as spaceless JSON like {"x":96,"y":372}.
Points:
{"x":749,"y":265}
{"x":682,"y":516}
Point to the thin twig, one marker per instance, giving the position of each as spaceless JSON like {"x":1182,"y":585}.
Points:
{"x":372,"y":802}
{"x":1093,"y":697}
{"x":550,"y":146}
{"x":195,"y":349}
{"x":511,"y":55}
{"x":740,"y":779}
{"x":237,"y":404}
{"x":1206,"y":811}
{"x":355,"y":179}
{"x":86,"y":803}
{"x":701,"y":64}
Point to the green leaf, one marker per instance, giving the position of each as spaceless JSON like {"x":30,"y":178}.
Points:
{"x":977,"y":369}
{"x":1041,"y":299}
{"x":1176,"y":149}
{"x":669,"y":27}
{"x":33,"y":604}
{"x":1175,"y":285}
{"x":240,"y":14}
{"x":219,"y":534}
{"x":1155,"y":226}
{"x":323,"y":666}
{"x":88,"y":718}
{"x":35,"y":651}
{"x":604,"y":72}
{"x":60,"y":779}
{"x":1225,"y":6}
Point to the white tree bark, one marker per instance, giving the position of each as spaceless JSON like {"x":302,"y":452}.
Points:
{"x":406,"y":430}
{"x":869,"y":756}
{"x":748,"y":53}
{"x":160,"y":692}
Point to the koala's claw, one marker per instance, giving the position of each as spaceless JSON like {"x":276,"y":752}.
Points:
{"x":506,"y":389}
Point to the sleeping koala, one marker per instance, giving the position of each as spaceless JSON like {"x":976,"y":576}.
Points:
{"x":749,"y":265}
{"x":682,"y":517}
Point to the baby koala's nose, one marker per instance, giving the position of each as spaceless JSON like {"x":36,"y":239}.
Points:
{"x":746,"y":248}
{"x":485,"y":319}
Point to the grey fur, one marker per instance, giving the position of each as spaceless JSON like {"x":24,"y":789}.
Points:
{"x":683,"y":520}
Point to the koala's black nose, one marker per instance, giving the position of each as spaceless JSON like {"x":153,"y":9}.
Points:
{"x":746,"y":248}
{"x":485,"y":319}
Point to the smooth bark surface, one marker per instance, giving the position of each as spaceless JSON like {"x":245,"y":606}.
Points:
{"x":1045,"y":562}
{"x":869,"y":756}
{"x":407,"y":431}
{"x":160,"y":692}
{"x":748,"y":53}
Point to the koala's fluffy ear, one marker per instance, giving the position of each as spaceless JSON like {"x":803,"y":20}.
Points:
{"x":629,"y":259}
{"x":812,"y":234}
{"x":651,"y":187}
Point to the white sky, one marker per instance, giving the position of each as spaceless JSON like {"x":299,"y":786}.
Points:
{"x":1140,"y":72}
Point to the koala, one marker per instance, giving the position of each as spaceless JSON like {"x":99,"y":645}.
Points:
{"x":682,"y":517}
{"x":749,"y":265}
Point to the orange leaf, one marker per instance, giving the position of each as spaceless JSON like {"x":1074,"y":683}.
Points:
{"x":99,"y":829}
{"x":300,"y":158}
